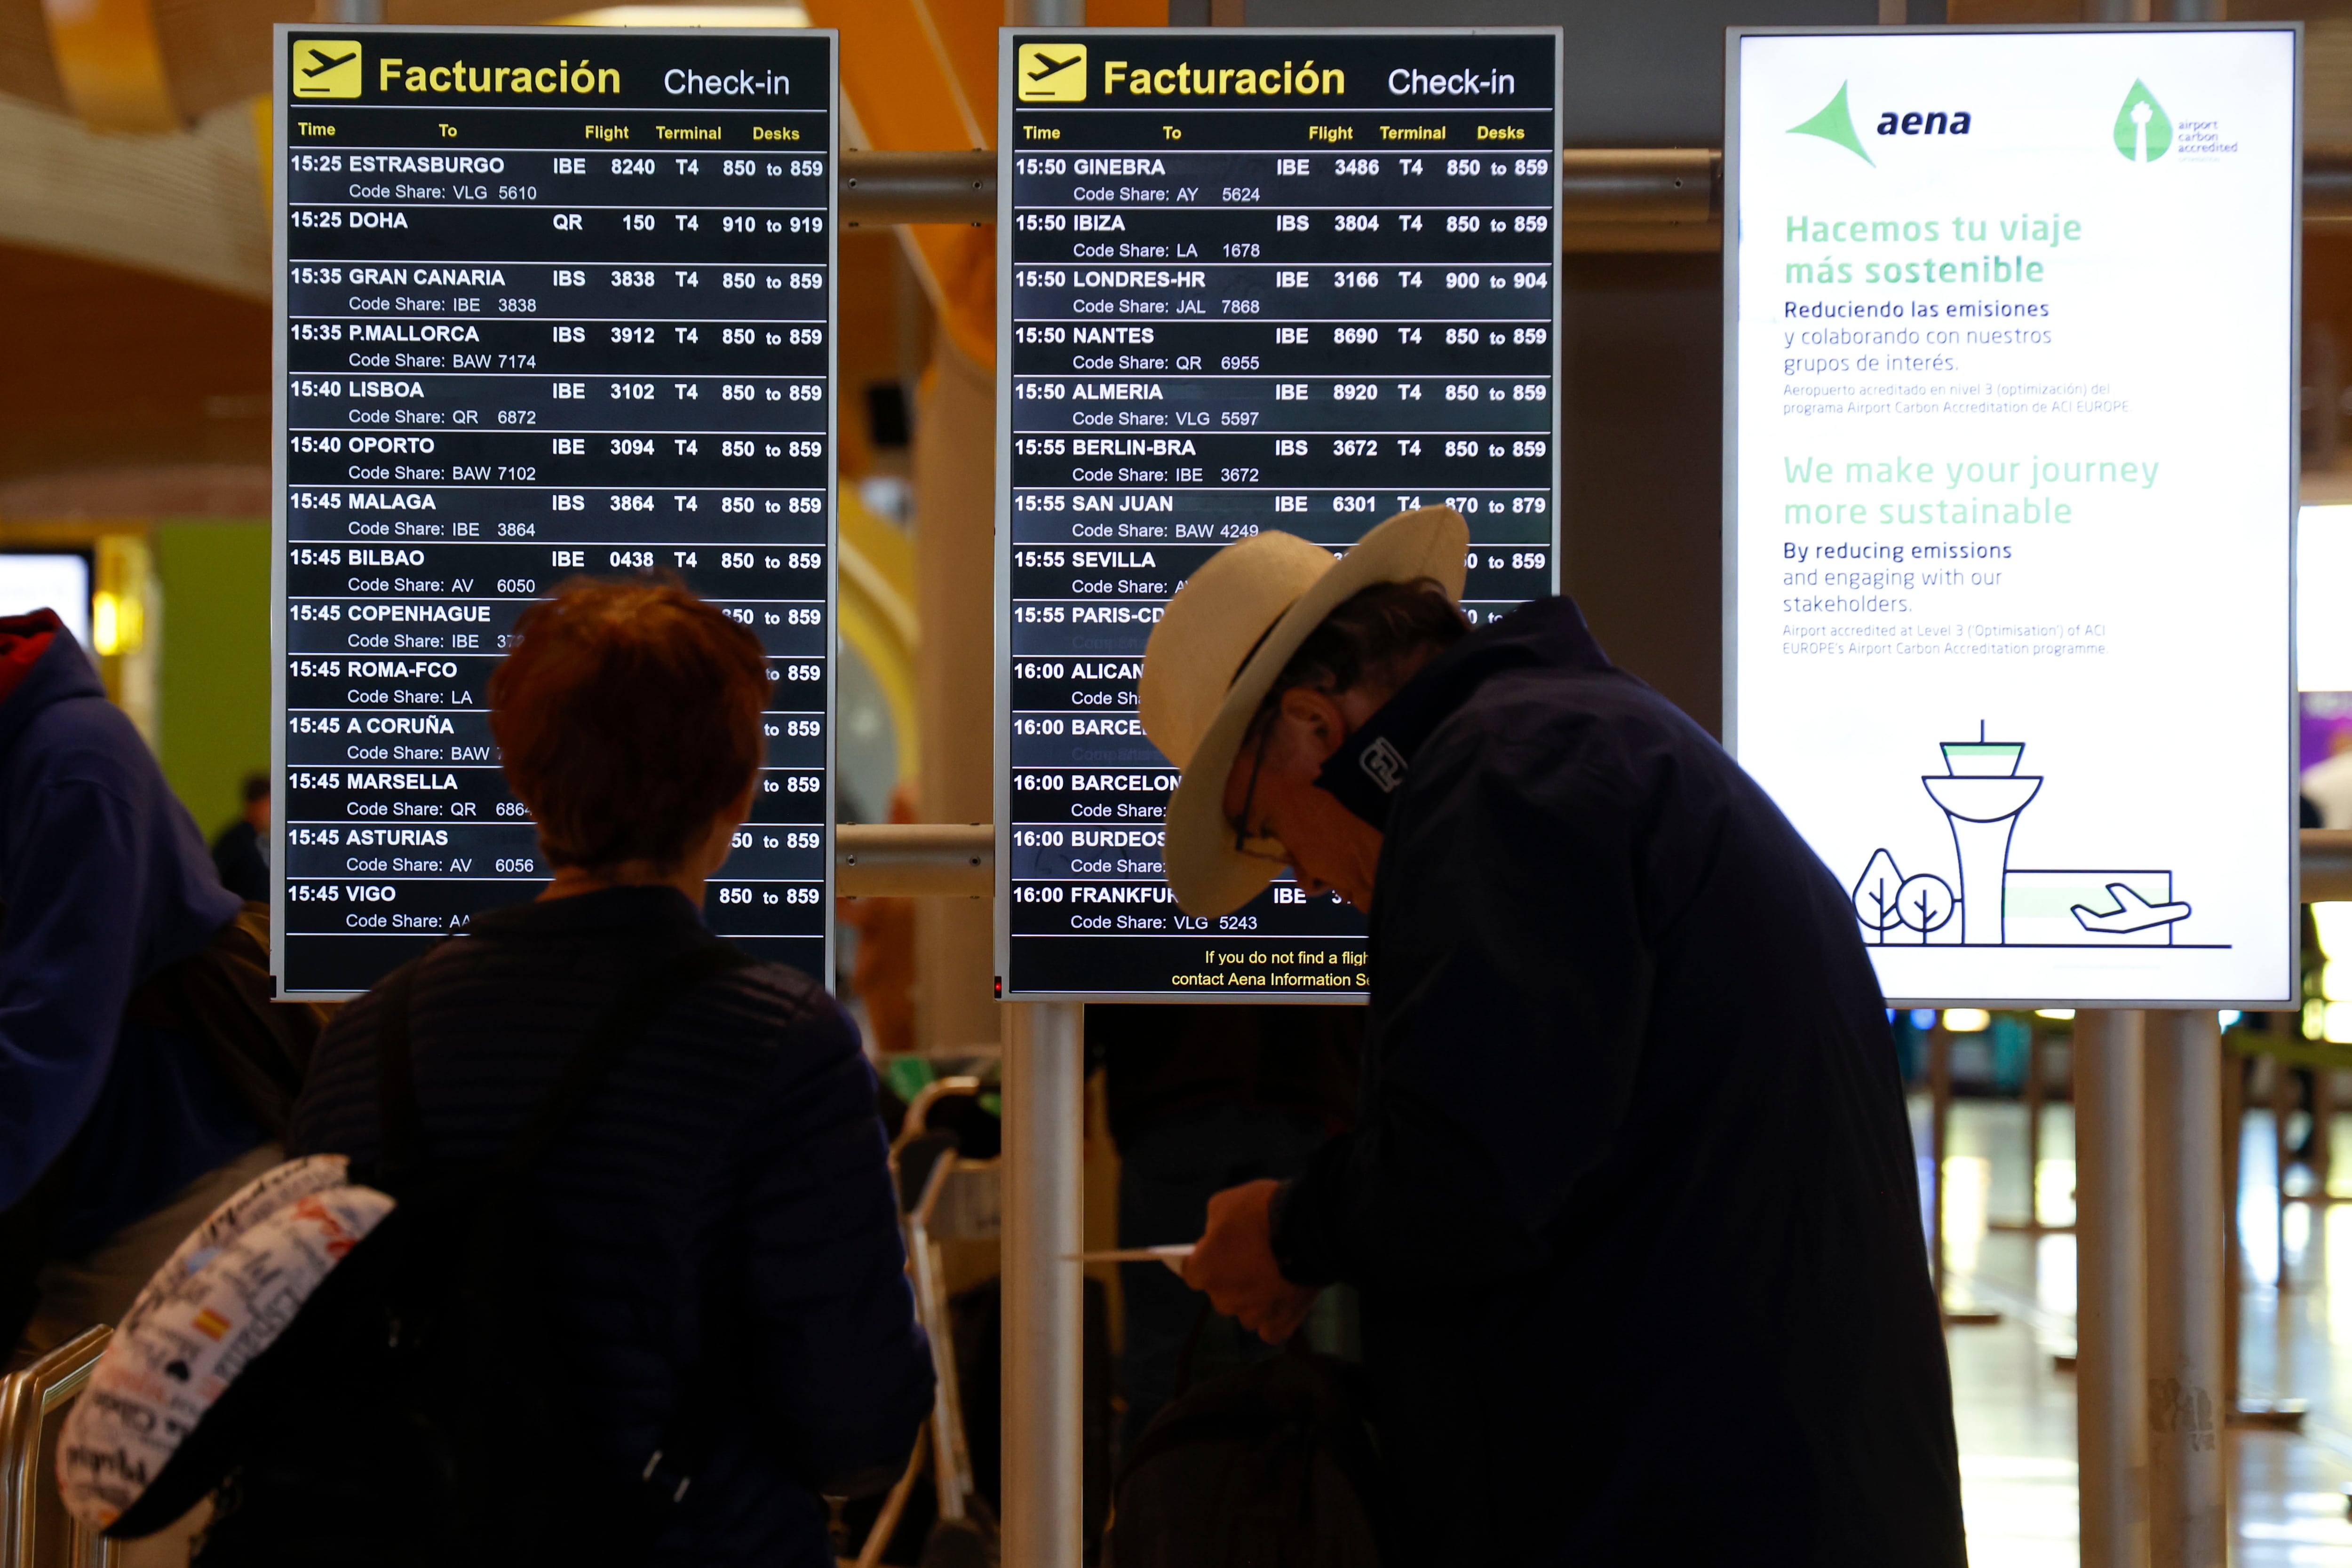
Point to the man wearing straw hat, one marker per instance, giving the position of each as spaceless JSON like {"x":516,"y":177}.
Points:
{"x":1631,"y":1202}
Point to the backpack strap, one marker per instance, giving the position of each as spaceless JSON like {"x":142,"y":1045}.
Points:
{"x":687,"y":1438}
{"x":400,"y":1126}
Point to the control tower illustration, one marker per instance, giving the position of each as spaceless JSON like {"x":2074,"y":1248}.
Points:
{"x":1982,"y":793}
{"x":1999,"y":904}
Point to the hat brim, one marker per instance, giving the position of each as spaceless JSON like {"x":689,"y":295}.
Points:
{"x":1207,"y":873}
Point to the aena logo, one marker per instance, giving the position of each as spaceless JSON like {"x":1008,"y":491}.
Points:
{"x":1835,"y":124}
{"x":2143,"y":131}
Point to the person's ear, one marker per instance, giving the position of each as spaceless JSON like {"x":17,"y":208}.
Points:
{"x":1314,"y":721}
{"x":733,"y":815}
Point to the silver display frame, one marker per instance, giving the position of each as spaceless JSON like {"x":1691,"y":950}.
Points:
{"x":1733,"y":38}
{"x":1001,"y":612}
{"x":282,"y":36}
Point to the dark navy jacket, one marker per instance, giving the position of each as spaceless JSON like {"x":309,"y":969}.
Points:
{"x":106,"y":881}
{"x":1631,"y":1207}
{"x":731,"y":1167}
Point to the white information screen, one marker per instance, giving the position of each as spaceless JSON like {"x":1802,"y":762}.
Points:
{"x":34,"y":580}
{"x":2010,"y":480}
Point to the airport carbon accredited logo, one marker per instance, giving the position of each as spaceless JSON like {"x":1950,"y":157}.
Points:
{"x":2143,"y":131}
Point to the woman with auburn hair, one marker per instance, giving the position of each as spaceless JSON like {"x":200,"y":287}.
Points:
{"x":722,"y":1199}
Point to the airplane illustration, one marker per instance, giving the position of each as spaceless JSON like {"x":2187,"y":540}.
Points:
{"x":1051,"y":67}
{"x":2132,"y":912}
{"x":326,"y":65}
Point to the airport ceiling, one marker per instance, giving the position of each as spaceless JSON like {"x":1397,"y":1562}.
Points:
{"x":136,"y":268}
{"x":134,"y":243}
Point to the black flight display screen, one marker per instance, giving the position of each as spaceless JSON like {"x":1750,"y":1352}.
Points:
{"x":1248,"y":279}
{"x":551,"y":302}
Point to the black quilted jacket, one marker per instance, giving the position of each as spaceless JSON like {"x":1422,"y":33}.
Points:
{"x":736,"y":1142}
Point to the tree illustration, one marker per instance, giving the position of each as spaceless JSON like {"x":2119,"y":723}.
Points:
{"x":1874,"y":897}
{"x":1926,"y":904}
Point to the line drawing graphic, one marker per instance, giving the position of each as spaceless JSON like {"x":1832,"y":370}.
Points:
{"x":1988,"y":903}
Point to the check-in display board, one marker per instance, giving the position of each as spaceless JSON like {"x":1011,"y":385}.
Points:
{"x":551,"y":302}
{"x":1246,"y":280}
{"x":2011,"y":452}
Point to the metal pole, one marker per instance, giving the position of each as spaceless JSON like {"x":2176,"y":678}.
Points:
{"x":2323,"y":1112}
{"x":2111,"y":1309}
{"x":1043,"y":1489}
{"x":1045,"y":12}
{"x":2033,"y":1094}
{"x":2114,"y":11}
{"x":1939,"y":1116}
{"x":2233,"y":1246}
{"x":2187,"y":1515}
{"x":2282,"y":1148}
{"x":914,"y":859}
{"x":1615,"y":200}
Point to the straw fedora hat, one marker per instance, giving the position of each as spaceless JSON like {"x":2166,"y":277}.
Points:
{"x":1216,"y":651}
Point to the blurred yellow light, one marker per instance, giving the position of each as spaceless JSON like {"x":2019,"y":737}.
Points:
{"x":115,"y":623}
{"x":2335,"y":924}
{"x":2338,"y":1029}
{"x":2315,"y":1018}
{"x":2054,"y":1012}
{"x":1967,"y":1020}
{"x":2336,"y":981}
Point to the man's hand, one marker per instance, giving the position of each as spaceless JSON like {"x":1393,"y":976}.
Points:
{"x":1233,"y":1264}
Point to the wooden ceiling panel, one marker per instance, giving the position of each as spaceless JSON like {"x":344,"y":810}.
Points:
{"x":108,"y":368}
{"x":25,"y":69}
{"x":217,"y":51}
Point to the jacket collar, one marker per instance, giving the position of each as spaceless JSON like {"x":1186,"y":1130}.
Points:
{"x":628,"y":908}
{"x":1370,"y":766}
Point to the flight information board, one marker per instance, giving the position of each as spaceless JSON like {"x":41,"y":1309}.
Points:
{"x":551,"y":302}
{"x":1250,"y":280}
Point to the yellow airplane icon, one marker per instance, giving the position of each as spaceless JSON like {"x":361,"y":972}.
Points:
{"x":1052,"y":73}
{"x":327,"y":67}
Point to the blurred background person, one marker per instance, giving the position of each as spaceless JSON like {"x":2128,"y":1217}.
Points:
{"x":241,"y":854}
{"x":119,"y":1131}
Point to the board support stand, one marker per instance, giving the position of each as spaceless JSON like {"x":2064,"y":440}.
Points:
{"x":1043,"y":1489}
{"x":2036,"y":1098}
{"x":2270,"y":1415}
{"x":2111,"y":1312}
{"x":1939,"y":1120}
{"x":2188,"y":1514}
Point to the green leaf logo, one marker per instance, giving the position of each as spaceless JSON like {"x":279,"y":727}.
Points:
{"x":2143,"y":131}
{"x":1835,"y":124}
